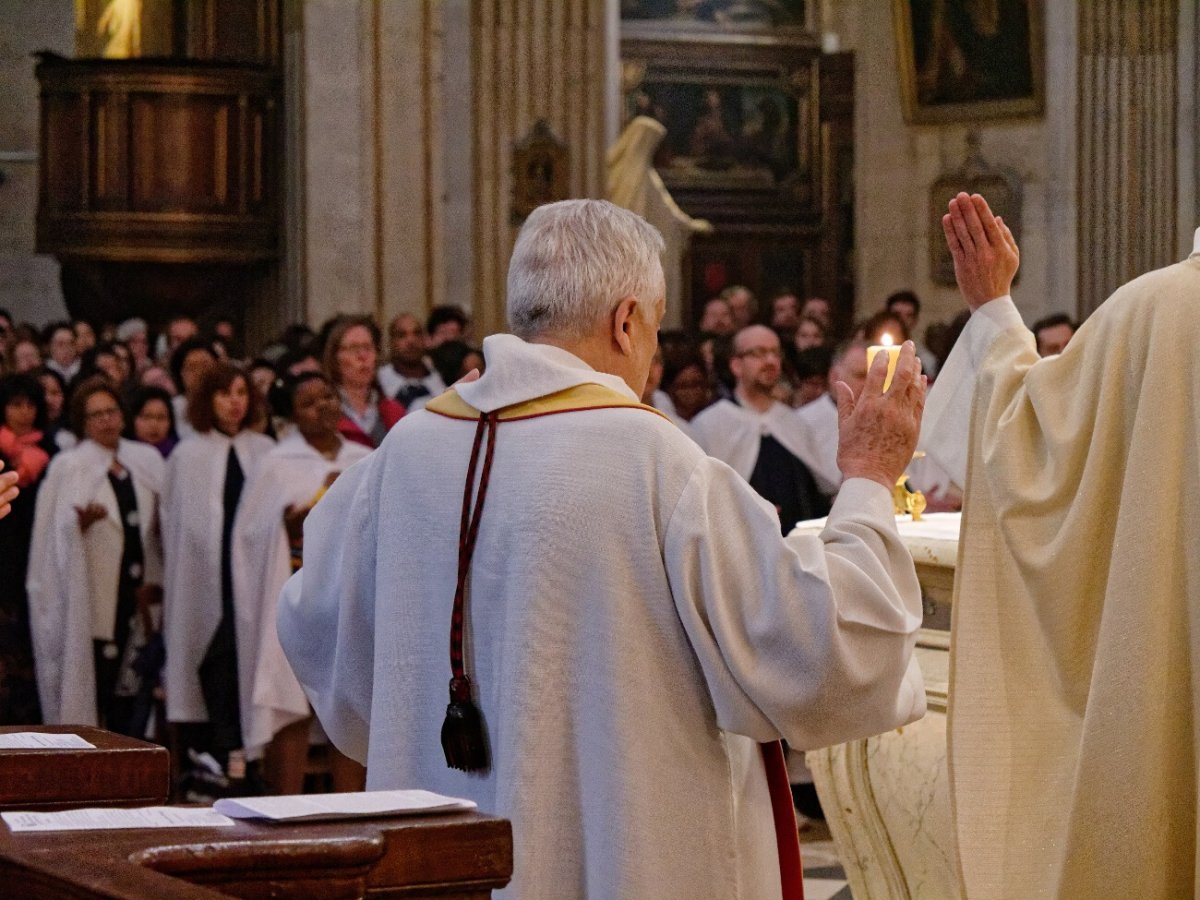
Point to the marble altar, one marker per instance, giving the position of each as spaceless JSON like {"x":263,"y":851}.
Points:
{"x":887,"y":799}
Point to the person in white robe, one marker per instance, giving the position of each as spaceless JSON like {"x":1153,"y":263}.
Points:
{"x":817,"y":431}
{"x":266,"y":550}
{"x":1073,"y":693}
{"x":631,"y":635}
{"x":760,"y":437}
{"x":209,"y":668}
{"x":407,"y":377}
{"x":95,"y":568}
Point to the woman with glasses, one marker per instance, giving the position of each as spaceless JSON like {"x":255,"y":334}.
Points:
{"x":207,"y":674}
{"x":351,"y":354}
{"x":95,"y":568}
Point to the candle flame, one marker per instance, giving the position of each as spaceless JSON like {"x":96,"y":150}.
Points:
{"x":886,"y":340}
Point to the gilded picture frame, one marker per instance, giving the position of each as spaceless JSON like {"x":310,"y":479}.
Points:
{"x":970,"y":60}
{"x":742,"y":121}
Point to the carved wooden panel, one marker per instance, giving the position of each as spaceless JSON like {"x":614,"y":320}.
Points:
{"x":107,"y":120}
{"x":196,"y":175}
{"x":64,"y":151}
{"x":234,"y":30}
{"x":156,"y":161}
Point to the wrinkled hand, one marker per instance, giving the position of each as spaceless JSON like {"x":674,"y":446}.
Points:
{"x":8,"y":491}
{"x":985,"y":253}
{"x":877,"y":432}
{"x":89,"y":515}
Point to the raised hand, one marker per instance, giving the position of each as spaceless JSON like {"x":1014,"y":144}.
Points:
{"x":877,"y":431}
{"x":985,"y":253}
{"x":8,"y":491}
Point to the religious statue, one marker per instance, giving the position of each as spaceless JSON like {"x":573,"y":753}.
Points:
{"x":634,"y":184}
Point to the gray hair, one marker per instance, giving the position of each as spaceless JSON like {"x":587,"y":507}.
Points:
{"x":574,"y":261}
{"x":130,"y":327}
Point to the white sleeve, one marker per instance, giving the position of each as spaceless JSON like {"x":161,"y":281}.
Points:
{"x":946,"y":422}
{"x":807,"y":637}
{"x":326,"y":615}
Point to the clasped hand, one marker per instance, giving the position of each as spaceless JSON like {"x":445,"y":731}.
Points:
{"x":877,"y":431}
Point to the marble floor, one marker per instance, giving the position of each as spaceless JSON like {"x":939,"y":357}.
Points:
{"x":823,"y":875}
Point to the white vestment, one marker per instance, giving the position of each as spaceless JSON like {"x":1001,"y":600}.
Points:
{"x":193,"y":515}
{"x":818,"y":436}
{"x":74,"y":575}
{"x":291,"y":474}
{"x":636,"y":626}
{"x":391,"y":381}
{"x":733,"y":433}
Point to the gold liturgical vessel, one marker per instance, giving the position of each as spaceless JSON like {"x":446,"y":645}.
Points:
{"x":906,"y":501}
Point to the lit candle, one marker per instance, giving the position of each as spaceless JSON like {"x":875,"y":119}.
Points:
{"x":893,"y":353}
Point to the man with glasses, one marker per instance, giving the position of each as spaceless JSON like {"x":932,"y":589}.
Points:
{"x":761,"y":438}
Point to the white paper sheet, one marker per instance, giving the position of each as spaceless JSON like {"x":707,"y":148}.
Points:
{"x":314,"y":807}
{"x":40,"y":740}
{"x":99,"y":819}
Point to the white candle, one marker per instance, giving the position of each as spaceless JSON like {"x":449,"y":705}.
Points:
{"x":893,"y":353}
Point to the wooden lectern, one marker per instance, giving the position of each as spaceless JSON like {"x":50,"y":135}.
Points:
{"x":459,"y":855}
{"x":121,"y":771}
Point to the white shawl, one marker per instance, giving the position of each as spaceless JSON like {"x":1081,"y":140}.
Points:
{"x":733,"y":434}
{"x":292,"y":474}
{"x":73,"y":576}
{"x":192,"y":519}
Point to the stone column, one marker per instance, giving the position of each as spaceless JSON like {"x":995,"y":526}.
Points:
{"x":532,"y":59}
{"x":408,"y":115}
{"x":1127,"y":163}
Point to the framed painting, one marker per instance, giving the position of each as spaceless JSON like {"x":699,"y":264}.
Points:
{"x":718,"y":15}
{"x":741,"y":122}
{"x":970,"y":60}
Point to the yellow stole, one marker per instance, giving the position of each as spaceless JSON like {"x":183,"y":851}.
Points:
{"x":573,"y":399}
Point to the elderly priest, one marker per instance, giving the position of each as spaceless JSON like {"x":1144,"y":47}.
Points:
{"x":1076,"y":655}
{"x":625,"y":634}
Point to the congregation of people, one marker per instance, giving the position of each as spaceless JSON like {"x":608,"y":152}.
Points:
{"x":165,"y":478}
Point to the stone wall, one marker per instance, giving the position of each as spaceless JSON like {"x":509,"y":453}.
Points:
{"x":28,"y":283}
{"x":897,"y":163}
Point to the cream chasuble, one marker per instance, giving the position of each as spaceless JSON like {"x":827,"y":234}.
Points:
{"x":1074,"y":674}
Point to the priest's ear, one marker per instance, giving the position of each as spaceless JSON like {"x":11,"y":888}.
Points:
{"x":627,"y":318}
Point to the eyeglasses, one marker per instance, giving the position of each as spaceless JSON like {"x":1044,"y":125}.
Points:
{"x":763,"y":353}
{"x":102,"y":413}
{"x":356,"y":348}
